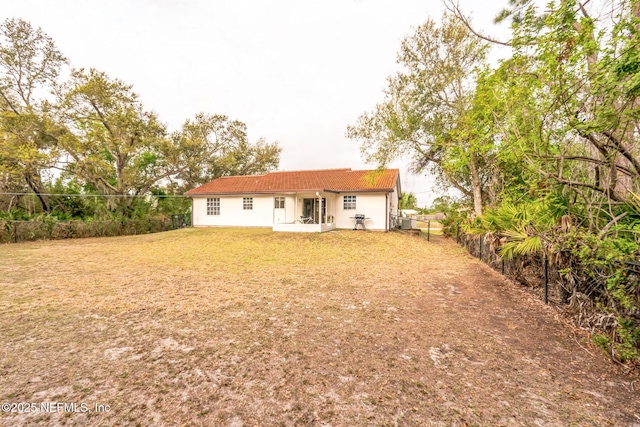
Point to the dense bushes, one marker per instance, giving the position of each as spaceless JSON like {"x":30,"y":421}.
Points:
{"x":49,"y":228}
{"x":593,"y":274}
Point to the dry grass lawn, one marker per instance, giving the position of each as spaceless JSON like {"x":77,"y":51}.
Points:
{"x":245,"y":327}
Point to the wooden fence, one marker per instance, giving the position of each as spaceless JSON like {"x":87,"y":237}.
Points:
{"x":433,"y":217}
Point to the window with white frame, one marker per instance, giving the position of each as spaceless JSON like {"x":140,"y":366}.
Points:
{"x":247,"y":203}
{"x":349,"y":202}
{"x":279,"y":202}
{"x":213,"y":206}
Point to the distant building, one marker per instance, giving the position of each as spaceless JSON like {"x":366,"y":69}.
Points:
{"x":408,"y":212}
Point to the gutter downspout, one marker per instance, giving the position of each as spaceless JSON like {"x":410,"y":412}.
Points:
{"x":386,"y":211}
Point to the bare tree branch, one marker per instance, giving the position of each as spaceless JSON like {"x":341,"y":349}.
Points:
{"x":611,"y":223}
{"x":606,"y":191}
{"x":620,"y":168}
{"x":103,"y":119}
{"x":9,"y":102}
{"x":583,"y":9}
{"x":455,"y":9}
{"x":623,"y":150}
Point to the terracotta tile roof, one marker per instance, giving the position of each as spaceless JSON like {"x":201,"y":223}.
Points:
{"x":338,"y":180}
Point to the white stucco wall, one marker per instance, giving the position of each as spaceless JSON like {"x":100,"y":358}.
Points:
{"x":233,"y":214}
{"x":372,"y":205}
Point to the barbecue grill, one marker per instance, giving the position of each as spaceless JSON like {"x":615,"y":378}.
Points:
{"x":359,"y":221}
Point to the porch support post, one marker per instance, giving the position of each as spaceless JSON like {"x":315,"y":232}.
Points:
{"x":320,"y":211}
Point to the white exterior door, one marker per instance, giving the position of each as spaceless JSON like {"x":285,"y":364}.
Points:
{"x":279,"y":211}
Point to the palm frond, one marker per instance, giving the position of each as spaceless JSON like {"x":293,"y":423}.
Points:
{"x":530,"y":245}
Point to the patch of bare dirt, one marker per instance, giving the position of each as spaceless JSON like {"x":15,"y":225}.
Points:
{"x":247,"y":327}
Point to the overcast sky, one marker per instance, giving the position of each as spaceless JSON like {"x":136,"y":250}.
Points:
{"x":295,"y":71}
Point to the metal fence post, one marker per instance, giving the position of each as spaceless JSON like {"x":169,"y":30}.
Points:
{"x":428,"y":231}
{"x":481,"y":241}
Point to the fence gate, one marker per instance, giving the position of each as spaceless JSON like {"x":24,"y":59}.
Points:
{"x":180,"y":221}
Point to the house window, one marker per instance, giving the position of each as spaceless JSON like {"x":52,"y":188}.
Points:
{"x":247,"y":203}
{"x":349,"y":202}
{"x":213,"y":206}
{"x":279,"y":202}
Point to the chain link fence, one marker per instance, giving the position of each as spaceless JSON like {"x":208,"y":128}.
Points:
{"x":562,"y":281}
{"x":532,"y":271}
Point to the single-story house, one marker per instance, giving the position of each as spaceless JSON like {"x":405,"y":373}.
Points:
{"x":308,"y":200}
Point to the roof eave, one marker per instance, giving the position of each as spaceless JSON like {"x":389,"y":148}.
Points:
{"x":235,"y":193}
{"x":304,"y":190}
{"x":371,"y":190}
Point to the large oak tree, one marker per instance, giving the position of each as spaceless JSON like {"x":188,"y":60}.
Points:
{"x":427,"y":107}
{"x":30,"y":65}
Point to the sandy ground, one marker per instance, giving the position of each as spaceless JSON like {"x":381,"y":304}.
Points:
{"x":219,"y":327}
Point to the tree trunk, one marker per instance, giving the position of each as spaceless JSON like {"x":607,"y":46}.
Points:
{"x":35,"y":184}
{"x":475,"y":183}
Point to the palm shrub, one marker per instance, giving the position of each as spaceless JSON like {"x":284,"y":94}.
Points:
{"x":596,"y":263}
{"x":521,"y":229}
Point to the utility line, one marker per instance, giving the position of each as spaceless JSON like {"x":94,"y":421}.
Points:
{"x":94,"y":195}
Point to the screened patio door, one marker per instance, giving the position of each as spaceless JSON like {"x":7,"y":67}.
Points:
{"x":310,"y":209}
